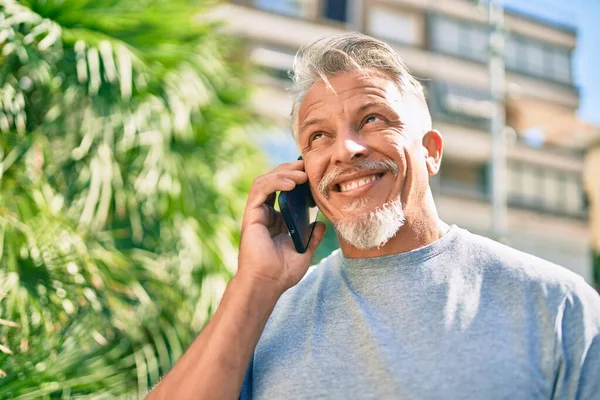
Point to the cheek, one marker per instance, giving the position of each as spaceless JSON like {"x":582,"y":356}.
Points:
{"x":393,"y":147}
{"x":398,"y":145}
{"x":313,"y":182}
{"x":396,"y":141}
{"x":315,"y":168}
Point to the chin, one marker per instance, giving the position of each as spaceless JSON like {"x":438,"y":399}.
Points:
{"x":366,"y":230}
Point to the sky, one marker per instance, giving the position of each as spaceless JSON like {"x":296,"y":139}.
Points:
{"x":584,"y":15}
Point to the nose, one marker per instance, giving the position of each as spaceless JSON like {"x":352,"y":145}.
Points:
{"x":349,"y":148}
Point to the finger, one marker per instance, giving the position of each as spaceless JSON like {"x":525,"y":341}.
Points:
{"x":294,"y":165}
{"x":268,"y":184}
{"x":316,"y":239}
{"x":293,"y":174}
{"x":282,"y":225}
{"x":264,"y":192}
{"x":274,"y":222}
{"x":279,"y":226}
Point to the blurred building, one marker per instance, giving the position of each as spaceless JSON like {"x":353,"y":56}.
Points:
{"x":444,"y":43}
{"x":592,"y":186}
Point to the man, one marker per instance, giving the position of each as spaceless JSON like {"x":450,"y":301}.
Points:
{"x":410,"y":308}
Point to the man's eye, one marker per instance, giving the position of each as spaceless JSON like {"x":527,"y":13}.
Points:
{"x":370,"y":119}
{"x":315,"y":136}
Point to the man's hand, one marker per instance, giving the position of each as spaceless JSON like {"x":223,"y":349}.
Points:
{"x":214,"y":366}
{"x":267,"y":252}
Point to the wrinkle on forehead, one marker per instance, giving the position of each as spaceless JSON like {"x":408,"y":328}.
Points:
{"x":342,"y":97}
{"x":345,"y":89}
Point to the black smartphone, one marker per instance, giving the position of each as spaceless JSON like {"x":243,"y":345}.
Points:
{"x":294,"y":206}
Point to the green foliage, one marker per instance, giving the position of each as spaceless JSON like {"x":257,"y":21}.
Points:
{"x":596,"y":270}
{"x":124,"y":165}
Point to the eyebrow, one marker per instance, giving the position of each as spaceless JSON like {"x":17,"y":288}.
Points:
{"x":366,"y":106}
{"x":310,"y":122}
{"x":372,"y":104}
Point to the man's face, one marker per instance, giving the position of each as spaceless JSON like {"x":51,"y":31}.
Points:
{"x":362,"y":147}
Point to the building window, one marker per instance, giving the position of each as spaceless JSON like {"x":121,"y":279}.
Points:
{"x":553,"y":190}
{"x":544,"y":189}
{"x":511,"y":56}
{"x":560,"y":64}
{"x":476,"y":42}
{"x":514,"y":183}
{"x":294,"y":8}
{"x":513,"y":53}
{"x":459,"y":38}
{"x":534,"y":56}
{"x":574,"y":197}
{"x":460,"y":105}
{"x":463,"y":179}
{"x":530,"y":191}
{"x":538,"y":59}
{"x":336,"y":10}
{"x":392,"y":25}
{"x":521,"y":54}
{"x":446,"y":35}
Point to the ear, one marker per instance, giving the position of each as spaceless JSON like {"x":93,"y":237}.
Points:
{"x":433,"y":146}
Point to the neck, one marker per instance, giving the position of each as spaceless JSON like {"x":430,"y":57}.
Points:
{"x":419,"y":230}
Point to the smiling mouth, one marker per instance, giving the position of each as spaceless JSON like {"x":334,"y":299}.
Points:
{"x":356,"y":183}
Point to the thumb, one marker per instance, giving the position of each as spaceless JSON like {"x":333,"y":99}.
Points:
{"x":317,"y":237}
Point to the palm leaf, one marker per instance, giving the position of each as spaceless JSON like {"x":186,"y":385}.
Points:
{"x":123,"y":165}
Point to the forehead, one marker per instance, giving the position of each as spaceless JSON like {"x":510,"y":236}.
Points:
{"x":348,"y":88}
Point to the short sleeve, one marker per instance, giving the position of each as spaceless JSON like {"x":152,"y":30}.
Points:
{"x":578,"y":373}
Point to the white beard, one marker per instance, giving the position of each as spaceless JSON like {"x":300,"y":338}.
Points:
{"x":365,"y":231}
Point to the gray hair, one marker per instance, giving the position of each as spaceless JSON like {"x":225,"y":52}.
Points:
{"x":345,"y":53}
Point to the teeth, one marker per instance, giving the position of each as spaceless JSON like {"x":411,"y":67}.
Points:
{"x":344,"y":187}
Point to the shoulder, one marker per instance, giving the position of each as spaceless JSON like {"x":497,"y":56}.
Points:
{"x":509,"y":266}
{"x":582,"y":303}
{"x":559,"y":308}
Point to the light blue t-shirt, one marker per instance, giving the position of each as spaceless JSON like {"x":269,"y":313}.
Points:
{"x":462,"y":318}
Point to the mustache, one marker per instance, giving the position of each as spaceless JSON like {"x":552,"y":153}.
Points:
{"x":366,"y":165}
